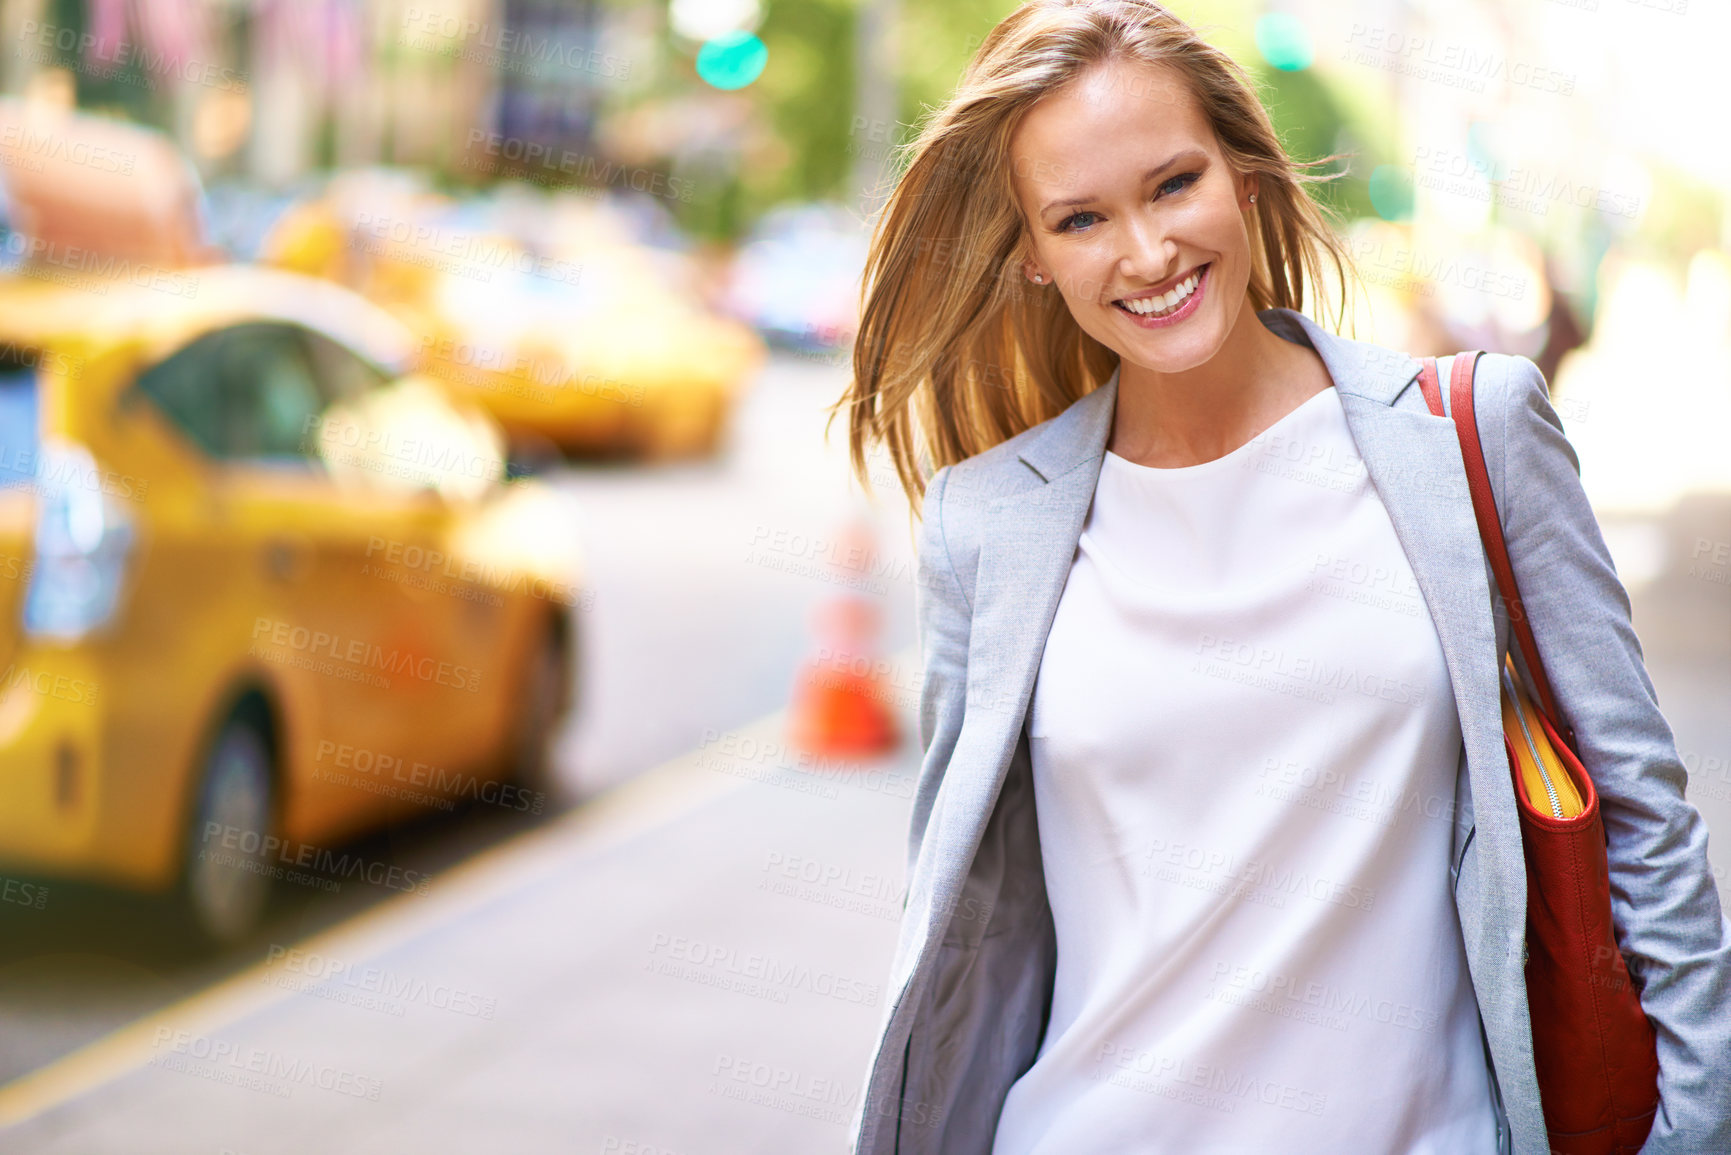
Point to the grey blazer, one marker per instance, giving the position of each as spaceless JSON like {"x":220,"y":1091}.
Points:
{"x":973,"y":966}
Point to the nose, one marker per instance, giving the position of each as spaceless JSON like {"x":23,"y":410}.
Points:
{"x":1149,"y":255}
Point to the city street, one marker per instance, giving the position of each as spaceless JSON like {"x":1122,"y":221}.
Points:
{"x":457,"y":696}
{"x":691,"y":959}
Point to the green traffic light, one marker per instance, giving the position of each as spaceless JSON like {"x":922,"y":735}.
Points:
{"x":732,"y":61}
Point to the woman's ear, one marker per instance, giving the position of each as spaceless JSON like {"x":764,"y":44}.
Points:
{"x":1025,"y":260}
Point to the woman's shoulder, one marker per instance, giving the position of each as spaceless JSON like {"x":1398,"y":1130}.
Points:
{"x":1512,"y":405}
{"x":1507,"y":380}
{"x":1533,"y":469}
{"x":1501,"y":382}
{"x":1509,"y":395}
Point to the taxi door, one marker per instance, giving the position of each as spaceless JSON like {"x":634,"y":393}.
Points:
{"x":344,"y":642}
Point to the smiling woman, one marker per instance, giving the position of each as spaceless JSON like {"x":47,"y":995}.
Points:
{"x":1050,"y":219}
{"x":1156,"y":265}
{"x":1214,"y":844}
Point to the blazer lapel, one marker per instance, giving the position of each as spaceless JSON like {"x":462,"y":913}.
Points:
{"x":1028,"y":542}
{"x":1025,"y":560}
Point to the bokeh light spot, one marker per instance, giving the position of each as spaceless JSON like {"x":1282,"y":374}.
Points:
{"x":1284,"y":42}
{"x":1391,"y":192}
{"x":732,"y":61}
{"x":1481,"y":155}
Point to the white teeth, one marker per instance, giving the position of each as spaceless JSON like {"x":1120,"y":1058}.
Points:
{"x":1148,"y":306}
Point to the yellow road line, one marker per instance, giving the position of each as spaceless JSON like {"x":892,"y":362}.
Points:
{"x":651,"y":799}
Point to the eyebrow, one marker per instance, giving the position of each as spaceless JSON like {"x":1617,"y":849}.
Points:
{"x":1146,"y":177}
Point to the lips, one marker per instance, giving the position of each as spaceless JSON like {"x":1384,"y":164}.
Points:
{"x":1167,"y":303}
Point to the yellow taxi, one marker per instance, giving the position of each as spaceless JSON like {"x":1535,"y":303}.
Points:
{"x":587,"y":339}
{"x":261,"y":590}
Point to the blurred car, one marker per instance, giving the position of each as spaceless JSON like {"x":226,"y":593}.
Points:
{"x":550,"y":315}
{"x":260,"y":590}
{"x":796,"y":279}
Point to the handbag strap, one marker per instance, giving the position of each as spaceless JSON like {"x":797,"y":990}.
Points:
{"x":1485,"y":512}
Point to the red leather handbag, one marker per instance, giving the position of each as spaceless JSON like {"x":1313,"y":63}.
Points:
{"x":1594,"y":1048}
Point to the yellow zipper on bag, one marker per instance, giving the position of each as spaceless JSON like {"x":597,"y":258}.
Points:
{"x":1545,"y":781}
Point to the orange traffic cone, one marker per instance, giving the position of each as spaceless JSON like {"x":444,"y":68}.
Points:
{"x":841,"y":703}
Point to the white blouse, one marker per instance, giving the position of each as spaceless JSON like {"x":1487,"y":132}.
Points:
{"x":1244,"y":747}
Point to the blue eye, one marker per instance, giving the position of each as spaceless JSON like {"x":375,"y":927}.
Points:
{"x":1167,"y":189}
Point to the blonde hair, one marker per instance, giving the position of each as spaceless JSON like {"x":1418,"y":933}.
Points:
{"x":950,"y":334}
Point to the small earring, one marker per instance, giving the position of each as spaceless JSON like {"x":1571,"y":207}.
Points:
{"x":1252,"y":198}
{"x":1038,"y":279}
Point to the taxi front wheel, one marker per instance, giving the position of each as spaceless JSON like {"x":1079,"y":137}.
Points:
{"x":541,"y":706}
{"x":228,"y":870}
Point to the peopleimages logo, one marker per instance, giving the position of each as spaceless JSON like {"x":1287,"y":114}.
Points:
{"x":1304,"y":670}
{"x":30,"y":894}
{"x":591,"y":170}
{"x":512,"y":49}
{"x":92,"y":269}
{"x":50,"y":473}
{"x":367,"y":769}
{"x":1222,"y":1087}
{"x":45,"y":145}
{"x":1257,"y":879}
{"x":1278,"y":994}
{"x":309,"y":971}
{"x":260,"y":1062}
{"x":242,"y":848}
{"x":420,"y":456}
{"x":39,"y":43}
{"x":361,"y":655}
{"x":47,"y":685}
{"x":474,"y":571}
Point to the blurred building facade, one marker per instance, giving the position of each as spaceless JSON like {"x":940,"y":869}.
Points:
{"x":273,"y":89}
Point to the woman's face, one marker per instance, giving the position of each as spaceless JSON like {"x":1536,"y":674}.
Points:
{"x":1134,"y":215}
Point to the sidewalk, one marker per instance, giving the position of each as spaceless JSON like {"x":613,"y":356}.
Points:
{"x":694,"y":964}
